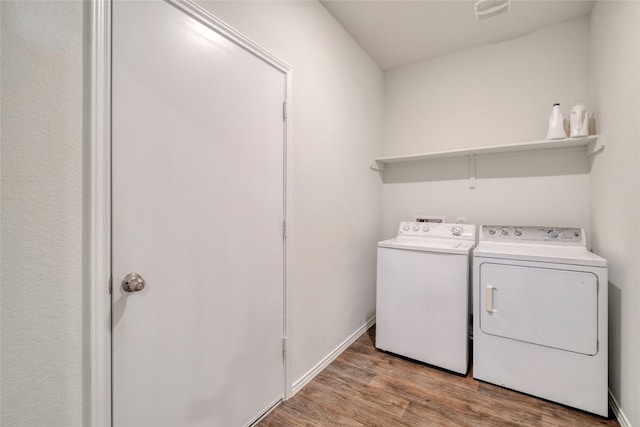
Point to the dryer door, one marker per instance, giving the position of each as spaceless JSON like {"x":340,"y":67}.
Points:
{"x":543,"y":306}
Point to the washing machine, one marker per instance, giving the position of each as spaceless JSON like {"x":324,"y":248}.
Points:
{"x":540,"y":315}
{"x":422,"y":293}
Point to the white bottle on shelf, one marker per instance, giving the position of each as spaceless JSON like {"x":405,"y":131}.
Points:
{"x":557,"y":124}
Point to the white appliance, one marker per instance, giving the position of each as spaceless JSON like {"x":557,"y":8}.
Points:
{"x":422,"y":293}
{"x":540,"y":315}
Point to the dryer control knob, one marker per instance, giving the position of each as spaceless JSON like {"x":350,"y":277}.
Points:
{"x":425,"y":228}
{"x":416,"y":228}
{"x":504,"y":231}
{"x":491,"y":231}
{"x":456,"y":231}
{"x":405,"y":228}
{"x":518,"y":233}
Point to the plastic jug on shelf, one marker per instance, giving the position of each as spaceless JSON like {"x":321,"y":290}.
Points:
{"x":557,"y":124}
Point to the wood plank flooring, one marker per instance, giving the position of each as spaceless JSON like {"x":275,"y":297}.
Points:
{"x":367,"y":387}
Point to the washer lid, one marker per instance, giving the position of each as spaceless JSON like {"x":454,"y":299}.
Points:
{"x":572,"y":255}
{"x":451,"y":246}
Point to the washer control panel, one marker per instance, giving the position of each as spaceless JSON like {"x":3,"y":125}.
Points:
{"x":437,"y":230}
{"x":528,"y":234}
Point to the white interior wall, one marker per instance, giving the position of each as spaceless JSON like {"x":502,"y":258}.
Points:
{"x":492,"y":94}
{"x":337,"y":119}
{"x":615,"y":188}
{"x":41,"y":325}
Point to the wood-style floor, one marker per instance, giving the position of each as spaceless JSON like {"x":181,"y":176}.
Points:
{"x":367,"y":387}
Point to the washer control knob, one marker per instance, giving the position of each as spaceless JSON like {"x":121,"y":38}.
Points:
{"x":491,"y":231}
{"x":504,"y":231}
{"x":456,"y":231}
{"x":416,"y":228}
{"x":553,"y":234}
{"x":425,"y":228}
{"x":518,"y":232}
{"x":405,"y":227}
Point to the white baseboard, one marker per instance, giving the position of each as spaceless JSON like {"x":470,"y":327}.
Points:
{"x":297,"y":386}
{"x":617,"y":411}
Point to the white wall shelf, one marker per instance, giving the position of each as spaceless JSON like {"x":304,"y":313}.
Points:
{"x":590,"y":142}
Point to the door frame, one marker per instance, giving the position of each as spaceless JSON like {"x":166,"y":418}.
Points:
{"x":97,"y":199}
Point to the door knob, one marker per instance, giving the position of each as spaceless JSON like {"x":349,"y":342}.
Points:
{"x":133,"y":282}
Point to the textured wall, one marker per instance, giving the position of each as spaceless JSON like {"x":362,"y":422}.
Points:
{"x":615,"y":187}
{"x":41,"y":213}
{"x":337,"y":119}
{"x":493,"y":94}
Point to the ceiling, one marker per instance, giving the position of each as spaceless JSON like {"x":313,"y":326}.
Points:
{"x":397,"y":33}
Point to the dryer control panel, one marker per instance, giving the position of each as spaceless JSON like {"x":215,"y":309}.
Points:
{"x":528,"y":234}
{"x":437,"y":230}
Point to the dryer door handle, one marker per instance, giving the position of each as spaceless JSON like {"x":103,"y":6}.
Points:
{"x":489,"y":299}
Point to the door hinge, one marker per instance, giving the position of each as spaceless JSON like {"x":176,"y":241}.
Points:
{"x":284,"y":346}
{"x":285,"y":113}
{"x":284,"y":229}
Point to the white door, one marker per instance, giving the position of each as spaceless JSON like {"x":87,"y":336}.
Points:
{"x":544,"y":306}
{"x":198,"y":208}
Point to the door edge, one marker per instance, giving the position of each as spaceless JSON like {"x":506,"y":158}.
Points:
{"x":97,"y":241}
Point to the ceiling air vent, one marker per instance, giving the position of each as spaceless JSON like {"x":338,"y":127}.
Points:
{"x":490,"y":8}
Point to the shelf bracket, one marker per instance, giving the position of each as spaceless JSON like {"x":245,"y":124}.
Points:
{"x":472,"y":171}
{"x":377,"y":166}
{"x":595,"y":147}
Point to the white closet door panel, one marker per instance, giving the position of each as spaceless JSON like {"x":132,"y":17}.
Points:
{"x":198,"y":197}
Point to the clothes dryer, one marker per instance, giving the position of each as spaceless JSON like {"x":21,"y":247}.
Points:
{"x":422,"y":293}
{"x":540,"y":315}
